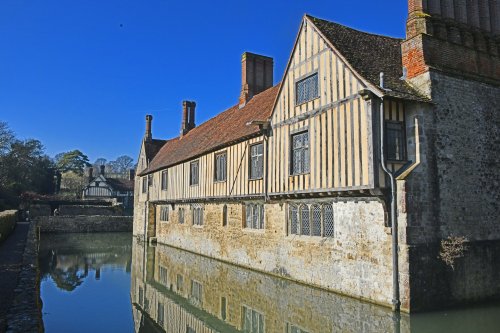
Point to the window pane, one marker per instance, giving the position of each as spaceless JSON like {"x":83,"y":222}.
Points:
{"x":294,"y":221}
{"x":305,"y":225}
{"x":307,"y":89}
{"x":316,"y":220}
{"x":328,"y":220}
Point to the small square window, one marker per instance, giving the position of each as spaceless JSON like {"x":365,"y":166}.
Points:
{"x":307,"y":89}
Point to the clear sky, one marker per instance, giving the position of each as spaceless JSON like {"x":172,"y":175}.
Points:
{"x":82,"y":74}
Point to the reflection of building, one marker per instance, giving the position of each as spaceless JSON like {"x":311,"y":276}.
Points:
{"x":298,"y":179}
{"x":69,"y":260}
{"x":179,"y":291}
{"x":104,"y":187}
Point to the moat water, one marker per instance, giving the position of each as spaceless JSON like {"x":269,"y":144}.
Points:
{"x":112,"y":283}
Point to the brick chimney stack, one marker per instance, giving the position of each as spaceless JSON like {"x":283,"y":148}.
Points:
{"x":455,"y":36}
{"x":148,"y":136}
{"x":256,"y":75}
{"x":188,"y":116}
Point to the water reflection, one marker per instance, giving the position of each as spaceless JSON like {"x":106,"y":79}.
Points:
{"x":85,"y":281}
{"x":177,"y":291}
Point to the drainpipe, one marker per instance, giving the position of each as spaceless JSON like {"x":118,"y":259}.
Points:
{"x":265,"y":129}
{"x":395,"y":260}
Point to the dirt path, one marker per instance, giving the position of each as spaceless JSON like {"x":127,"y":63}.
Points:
{"x":11,"y":259}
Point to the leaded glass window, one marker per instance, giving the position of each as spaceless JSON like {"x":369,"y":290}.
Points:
{"x":395,"y":141}
{"x":197,"y":215}
{"x":194,"y":173}
{"x":307,"y":89}
{"x":220,"y":167}
{"x":196,"y":293}
{"x":328,"y":221}
{"x":254,"y":216}
{"x":316,"y":220}
{"x":163,"y":276}
{"x":305,"y":226}
{"x":256,"y":161}
{"x":294,"y":220}
{"x":300,"y":153}
{"x":164,"y":213}
{"x":253,"y":321}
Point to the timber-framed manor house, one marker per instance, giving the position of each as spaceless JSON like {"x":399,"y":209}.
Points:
{"x":349,"y":173}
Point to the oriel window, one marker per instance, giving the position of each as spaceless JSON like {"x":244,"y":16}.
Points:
{"x":195,"y":172}
{"x":395,"y":141}
{"x":256,"y":161}
{"x":220,"y":167}
{"x":307,"y":89}
{"x":300,"y":153}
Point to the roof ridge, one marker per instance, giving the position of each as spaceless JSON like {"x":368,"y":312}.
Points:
{"x":354,"y":29}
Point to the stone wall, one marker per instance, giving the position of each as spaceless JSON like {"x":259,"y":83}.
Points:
{"x":69,"y":224}
{"x":356,"y":261}
{"x":454,"y":192}
{"x":90,"y":210}
{"x":8,"y":221}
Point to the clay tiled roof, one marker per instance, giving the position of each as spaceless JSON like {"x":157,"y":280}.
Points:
{"x":153,"y":147}
{"x":123,"y":185}
{"x":225,"y":128}
{"x":369,"y":55}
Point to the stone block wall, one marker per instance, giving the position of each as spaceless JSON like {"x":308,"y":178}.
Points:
{"x":454,"y":192}
{"x":356,"y":261}
{"x":70,"y":224}
{"x":90,"y":210}
{"x":8,"y":221}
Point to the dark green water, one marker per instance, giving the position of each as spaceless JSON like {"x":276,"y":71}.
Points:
{"x":111,"y":283}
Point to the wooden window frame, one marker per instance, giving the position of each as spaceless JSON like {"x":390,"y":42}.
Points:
{"x":303,"y":171}
{"x":303,"y":79}
{"x":164,"y":180}
{"x":216,"y":167}
{"x":191,"y":176}
{"x":250,"y":162}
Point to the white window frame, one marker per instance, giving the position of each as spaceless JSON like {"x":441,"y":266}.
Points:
{"x":255,"y":216}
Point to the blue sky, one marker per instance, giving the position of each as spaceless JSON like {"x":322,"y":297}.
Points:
{"x":82,"y":74}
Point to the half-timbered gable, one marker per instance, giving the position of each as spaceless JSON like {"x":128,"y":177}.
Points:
{"x":320,"y":111}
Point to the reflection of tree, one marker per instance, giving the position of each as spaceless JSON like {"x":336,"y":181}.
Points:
{"x":69,"y":279}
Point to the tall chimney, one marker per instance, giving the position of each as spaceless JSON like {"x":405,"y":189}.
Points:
{"x":256,"y":75}
{"x":131,"y":174}
{"x":188,"y":116}
{"x":102,"y":169}
{"x":148,"y":136}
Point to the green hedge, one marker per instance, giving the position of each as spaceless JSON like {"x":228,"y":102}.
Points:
{"x":7,"y":223}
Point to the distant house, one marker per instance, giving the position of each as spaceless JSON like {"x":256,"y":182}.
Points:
{"x":106,"y":187}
